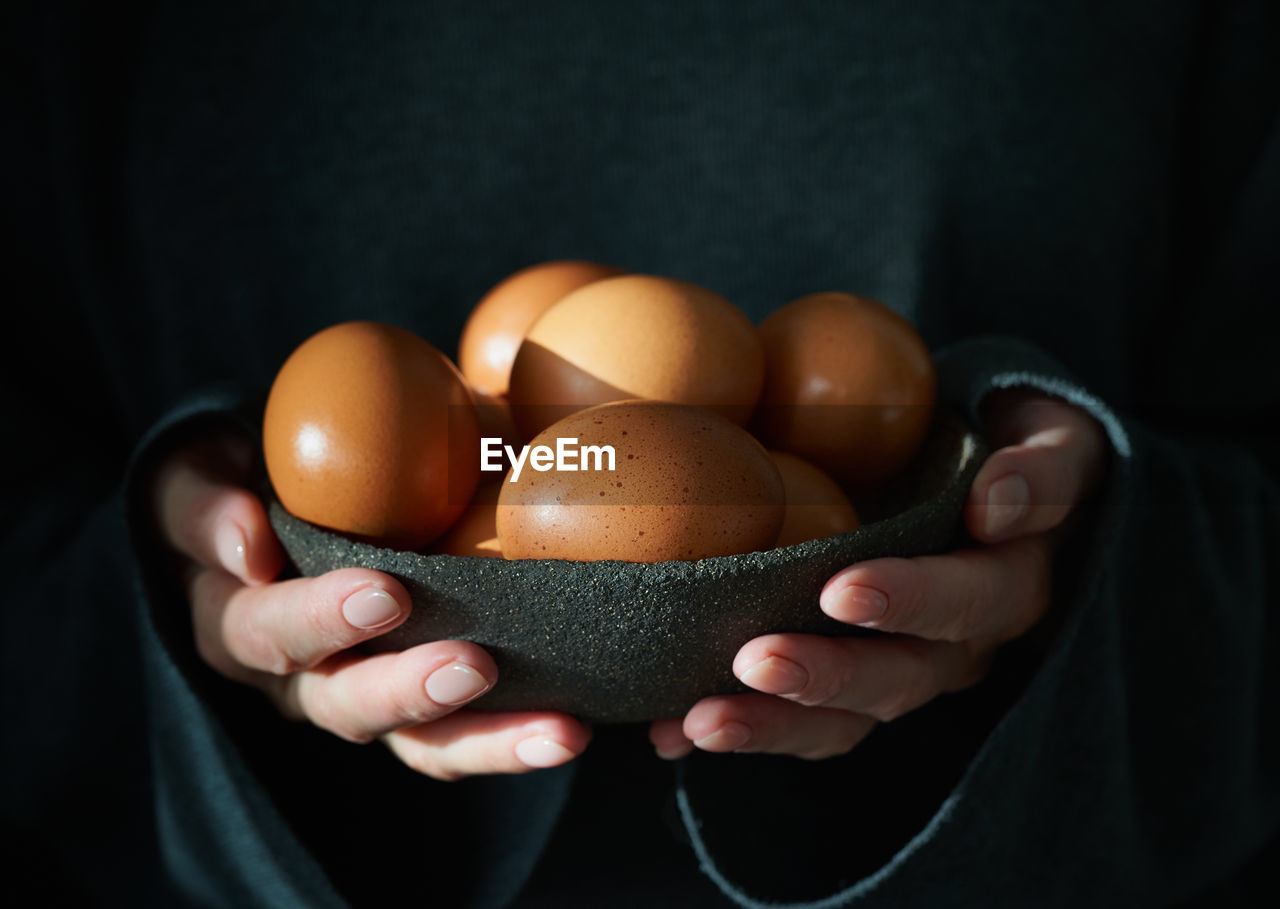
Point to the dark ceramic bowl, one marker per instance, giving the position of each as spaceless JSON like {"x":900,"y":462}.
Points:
{"x":623,"y":642}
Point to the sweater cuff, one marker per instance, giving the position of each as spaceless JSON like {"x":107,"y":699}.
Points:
{"x":968,"y":370}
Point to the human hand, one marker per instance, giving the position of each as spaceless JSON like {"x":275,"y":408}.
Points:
{"x":942,"y":617}
{"x":293,"y":639}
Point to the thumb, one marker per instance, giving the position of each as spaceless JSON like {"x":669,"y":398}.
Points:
{"x":204,"y":511}
{"x":1050,"y":456}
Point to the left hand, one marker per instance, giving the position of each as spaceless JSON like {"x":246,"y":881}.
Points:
{"x":942,"y":617}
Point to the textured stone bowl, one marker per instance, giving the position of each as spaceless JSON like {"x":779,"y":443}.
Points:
{"x":623,"y":642}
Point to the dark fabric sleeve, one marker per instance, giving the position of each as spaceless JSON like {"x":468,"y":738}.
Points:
{"x":1139,"y":762}
{"x":74,"y":760}
{"x":222,"y":840}
{"x":254,"y":810}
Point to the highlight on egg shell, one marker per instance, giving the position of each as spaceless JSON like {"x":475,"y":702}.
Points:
{"x":640,"y":481}
{"x":371,"y":431}
{"x":636,"y":336}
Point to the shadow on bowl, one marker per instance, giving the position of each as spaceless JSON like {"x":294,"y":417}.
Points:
{"x":618,"y":642}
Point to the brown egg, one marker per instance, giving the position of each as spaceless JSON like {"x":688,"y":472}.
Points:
{"x":475,"y":533}
{"x":849,"y":385}
{"x":636,"y":336}
{"x":498,"y":324}
{"x":686,"y":484}
{"x":371,"y":431}
{"x":816,"y":505}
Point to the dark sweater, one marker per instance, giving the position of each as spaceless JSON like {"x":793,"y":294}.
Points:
{"x":1083,"y":200}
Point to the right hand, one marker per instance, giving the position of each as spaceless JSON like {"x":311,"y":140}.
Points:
{"x":292,"y":639}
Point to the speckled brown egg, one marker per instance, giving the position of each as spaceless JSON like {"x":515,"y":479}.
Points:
{"x":371,"y":431}
{"x":499,"y":321}
{"x":685,"y":483}
{"x":636,"y":336}
{"x":849,"y":386}
{"x":816,"y":505}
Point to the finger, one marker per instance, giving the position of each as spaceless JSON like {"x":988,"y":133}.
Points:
{"x":470,"y":742}
{"x":291,"y":625}
{"x":213,"y":521}
{"x":363,"y":697}
{"x":997,"y":591}
{"x":1051,"y":459}
{"x":668,"y":738}
{"x":883,"y":677}
{"x":761,"y":723}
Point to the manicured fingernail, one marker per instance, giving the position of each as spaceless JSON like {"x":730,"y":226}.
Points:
{"x":369,"y":608}
{"x":728,"y":737}
{"x":231,"y":546}
{"x":540,"y":751}
{"x":1007,"y":500}
{"x":455,"y":683}
{"x":855,"y":605}
{"x":776,"y":675}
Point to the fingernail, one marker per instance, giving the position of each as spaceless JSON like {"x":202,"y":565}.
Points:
{"x":855,"y":605}
{"x":728,"y":737}
{"x":231,"y":546}
{"x":369,"y":608}
{"x":776,"y":675}
{"x":1007,"y":500}
{"x":455,"y":683}
{"x":542,"y":752}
